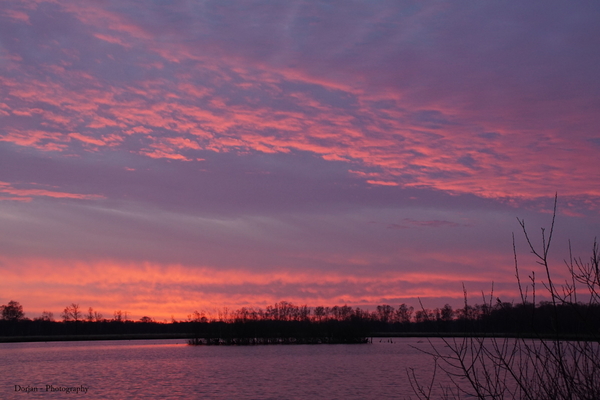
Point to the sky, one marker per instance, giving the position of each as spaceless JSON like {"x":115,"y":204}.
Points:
{"x":164,"y":157}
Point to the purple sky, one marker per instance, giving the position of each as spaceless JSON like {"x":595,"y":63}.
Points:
{"x":165,"y":157}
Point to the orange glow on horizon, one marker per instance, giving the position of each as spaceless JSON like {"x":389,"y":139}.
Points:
{"x":161,"y":291}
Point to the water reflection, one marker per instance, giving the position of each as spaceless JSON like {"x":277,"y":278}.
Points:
{"x":169,"y":369}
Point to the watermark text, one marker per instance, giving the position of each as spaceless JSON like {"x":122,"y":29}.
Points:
{"x":52,"y":388}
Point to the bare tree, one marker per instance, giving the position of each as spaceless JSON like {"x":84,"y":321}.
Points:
{"x":72,"y":313}
{"x":404,"y":313}
{"x":120,"y":316}
{"x":447,"y":313}
{"x":198,"y":316}
{"x":90,"y":315}
{"x":531,"y":368}
{"x":385,"y":313}
{"x":319,"y":313}
{"x":46,"y":316}
{"x":423,"y":315}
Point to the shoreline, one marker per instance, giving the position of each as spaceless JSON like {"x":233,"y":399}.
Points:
{"x":159,"y":336}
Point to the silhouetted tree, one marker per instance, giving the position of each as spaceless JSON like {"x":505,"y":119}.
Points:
{"x":422,"y":315}
{"x":385,"y":313}
{"x":90,"y":315}
{"x":319,"y":313}
{"x":303,"y":313}
{"x":96,"y":316}
{"x":447,"y":313}
{"x":46,"y":316}
{"x":345,"y":312}
{"x":198,"y":317}
{"x":119,"y":316}
{"x":71,"y":313}
{"x":404,"y":313}
{"x":13,"y":311}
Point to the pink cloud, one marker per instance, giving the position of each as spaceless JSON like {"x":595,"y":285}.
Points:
{"x":157,"y":153}
{"x":418,"y":223}
{"x":382,"y":183}
{"x":17,"y":15}
{"x":24,"y":199}
{"x":446,"y":155}
{"x":433,"y":163}
{"x":87,"y":139}
{"x":48,"y":141}
{"x":25,"y":194}
{"x":112,"y":39}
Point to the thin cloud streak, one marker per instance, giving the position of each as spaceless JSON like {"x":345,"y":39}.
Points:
{"x":28,"y":194}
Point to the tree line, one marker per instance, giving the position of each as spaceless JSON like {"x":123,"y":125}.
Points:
{"x":501,"y":318}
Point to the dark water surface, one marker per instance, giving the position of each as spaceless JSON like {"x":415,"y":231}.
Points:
{"x":170,"y":369}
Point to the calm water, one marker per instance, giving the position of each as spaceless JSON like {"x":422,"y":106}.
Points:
{"x":170,"y":369}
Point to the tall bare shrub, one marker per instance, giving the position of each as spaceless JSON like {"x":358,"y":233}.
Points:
{"x":534,"y":365}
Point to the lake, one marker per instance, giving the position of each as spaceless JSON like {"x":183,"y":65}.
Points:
{"x":170,"y":369}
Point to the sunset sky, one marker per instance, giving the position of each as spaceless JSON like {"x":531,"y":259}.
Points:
{"x":164,"y":157}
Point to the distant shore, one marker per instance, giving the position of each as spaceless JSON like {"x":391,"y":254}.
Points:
{"x":158,"y":336}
